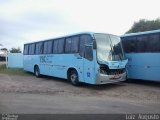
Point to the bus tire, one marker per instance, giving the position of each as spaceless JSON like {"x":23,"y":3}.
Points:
{"x":73,"y":78}
{"x":36,"y":71}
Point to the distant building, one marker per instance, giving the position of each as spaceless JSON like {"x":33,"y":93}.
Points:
{"x":14,"y":60}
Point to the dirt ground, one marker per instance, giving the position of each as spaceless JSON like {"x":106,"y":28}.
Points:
{"x":145,"y":92}
{"x":24,"y":93}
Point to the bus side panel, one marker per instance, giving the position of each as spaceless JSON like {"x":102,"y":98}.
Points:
{"x":62,"y":63}
{"x":54,"y":65}
{"x":145,"y":66}
{"x":57,"y":65}
{"x":45,"y":63}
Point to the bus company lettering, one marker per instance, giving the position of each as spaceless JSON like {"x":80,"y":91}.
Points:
{"x":42,"y":59}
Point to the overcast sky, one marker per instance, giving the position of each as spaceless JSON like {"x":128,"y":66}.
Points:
{"x":23,"y":21}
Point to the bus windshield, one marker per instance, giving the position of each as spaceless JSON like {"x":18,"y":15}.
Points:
{"x":109,"y":47}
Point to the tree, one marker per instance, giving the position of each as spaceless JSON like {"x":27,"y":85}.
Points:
{"x":15,"y":50}
{"x":4,"y":49}
{"x":145,"y":25}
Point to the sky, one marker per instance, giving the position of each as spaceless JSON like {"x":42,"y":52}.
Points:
{"x":23,"y":21}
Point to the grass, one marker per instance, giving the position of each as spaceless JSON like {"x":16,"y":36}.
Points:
{"x":13,"y":71}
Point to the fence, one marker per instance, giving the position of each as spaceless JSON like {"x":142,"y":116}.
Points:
{"x":14,"y":60}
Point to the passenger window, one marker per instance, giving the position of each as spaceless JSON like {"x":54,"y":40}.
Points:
{"x":39,"y":48}
{"x":47,"y":47}
{"x":55,"y":46}
{"x":154,"y":43}
{"x":132,"y":45}
{"x":26,"y":49}
{"x":129,"y":44}
{"x":60,"y":46}
{"x":74,"y":45}
{"x":31,"y":49}
{"x":142,"y":43}
{"x":68,"y":45}
{"x":84,"y":39}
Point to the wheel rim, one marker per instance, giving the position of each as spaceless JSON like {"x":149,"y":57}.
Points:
{"x":73,"y":78}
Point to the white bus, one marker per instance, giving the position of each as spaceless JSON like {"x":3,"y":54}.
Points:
{"x":93,"y":58}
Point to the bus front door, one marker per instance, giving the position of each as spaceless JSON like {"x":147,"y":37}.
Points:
{"x":88,"y":65}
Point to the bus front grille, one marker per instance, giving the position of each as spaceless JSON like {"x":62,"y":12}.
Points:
{"x":107,"y":71}
{"x":116,"y":71}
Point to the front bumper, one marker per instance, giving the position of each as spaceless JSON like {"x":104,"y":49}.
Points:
{"x":104,"y":79}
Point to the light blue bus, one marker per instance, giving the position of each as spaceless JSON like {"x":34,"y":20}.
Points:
{"x":143,"y":52}
{"x":94,"y":58}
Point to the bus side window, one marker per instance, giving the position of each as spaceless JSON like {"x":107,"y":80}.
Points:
{"x":32,"y":49}
{"x":47,"y":47}
{"x":60,"y":48}
{"x":159,"y":43}
{"x":154,"y":43}
{"x":74,"y":45}
{"x":130,"y":45}
{"x":26,"y":49}
{"x":142,"y":44}
{"x":39,"y":48}
{"x":68,"y":45}
{"x":127,"y":45}
{"x":55,"y":46}
{"x":84,"y":40}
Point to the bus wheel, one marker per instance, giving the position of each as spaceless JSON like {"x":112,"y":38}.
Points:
{"x":36,"y":71}
{"x":73,"y":77}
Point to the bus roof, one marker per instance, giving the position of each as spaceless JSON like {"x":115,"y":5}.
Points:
{"x":63,"y":36}
{"x":69,"y":35}
{"x":141,"y":33}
